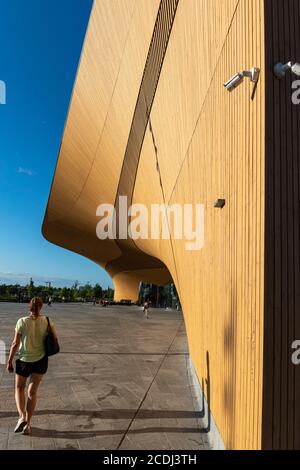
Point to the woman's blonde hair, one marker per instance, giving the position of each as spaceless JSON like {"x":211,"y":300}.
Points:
{"x":35,"y":306}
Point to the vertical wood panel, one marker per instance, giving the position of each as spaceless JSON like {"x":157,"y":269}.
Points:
{"x":281,"y":413}
{"x":221,"y":287}
{"x":208,"y":144}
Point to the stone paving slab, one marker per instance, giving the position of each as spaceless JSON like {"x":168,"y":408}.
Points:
{"x":120,"y":381}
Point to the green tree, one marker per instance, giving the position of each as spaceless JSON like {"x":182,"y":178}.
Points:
{"x":64,"y":293}
{"x":8,"y":291}
{"x":31,"y":289}
{"x":109,"y":293}
{"x":3,"y":288}
{"x":74,"y":291}
{"x":86,"y":291}
{"x":97,"y":291}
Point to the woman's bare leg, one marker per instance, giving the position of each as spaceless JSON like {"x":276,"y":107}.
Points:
{"x":20,"y":395}
{"x":33,"y":386}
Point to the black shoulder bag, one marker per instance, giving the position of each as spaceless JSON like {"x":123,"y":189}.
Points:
{"x":51,"y":343}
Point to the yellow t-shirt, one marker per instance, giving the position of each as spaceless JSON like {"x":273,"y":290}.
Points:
{"x":33,"y":332}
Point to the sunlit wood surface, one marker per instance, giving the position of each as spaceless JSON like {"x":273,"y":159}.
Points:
{"x":201,"y":143}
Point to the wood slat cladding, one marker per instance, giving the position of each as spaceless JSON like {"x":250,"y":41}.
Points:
{"x":132,"y":256}
{"x":240,"y":293}
{"x":159,"y":43}
{"x":98,"y":123}
{"x":281,"y":409}
{"x":220,"y":286}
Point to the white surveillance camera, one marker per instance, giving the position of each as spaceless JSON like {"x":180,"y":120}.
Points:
{"x":252,"y":74}
{"x":280,"y":69}
{"x":233,"y":82}
{"x":296,"y":69}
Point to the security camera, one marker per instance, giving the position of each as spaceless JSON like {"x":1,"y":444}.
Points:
{"x":296,"y":69}
{"x":234,"y":82}
{"x":253,"y":74}
{"x":281,"y":69}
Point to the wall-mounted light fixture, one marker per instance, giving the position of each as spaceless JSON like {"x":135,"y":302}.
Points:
{"x":237,"y":79}
{"x":220,"y":203}
{"x":280,"y":69}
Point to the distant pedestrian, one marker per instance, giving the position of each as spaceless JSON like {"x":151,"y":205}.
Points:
{"x":29,"y":341}
{"x":146,"y":308}
{"x":50,"y":301}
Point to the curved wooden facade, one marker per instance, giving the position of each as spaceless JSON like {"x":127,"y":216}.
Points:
{"x":150,"y":119}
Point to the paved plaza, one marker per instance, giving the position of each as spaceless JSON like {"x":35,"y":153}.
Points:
{"x":119,"y":382}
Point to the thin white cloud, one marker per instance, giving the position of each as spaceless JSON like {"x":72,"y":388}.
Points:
{"x":24,"y":278}
{"x":26,"y":171}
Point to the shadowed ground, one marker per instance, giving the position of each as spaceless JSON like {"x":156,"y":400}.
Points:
{"x":120,"y":382}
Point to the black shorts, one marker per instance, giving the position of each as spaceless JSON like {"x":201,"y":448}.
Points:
{"x":25,"y":369}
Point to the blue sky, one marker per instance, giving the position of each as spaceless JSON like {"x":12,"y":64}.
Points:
{"x":40,"y":48}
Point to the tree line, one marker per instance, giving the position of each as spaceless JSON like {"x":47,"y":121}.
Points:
{"x":75,"y":293}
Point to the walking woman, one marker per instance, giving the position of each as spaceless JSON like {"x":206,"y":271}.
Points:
{"x":146,"y":308}
{"x":32,"y":362}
